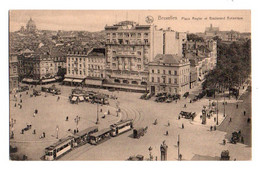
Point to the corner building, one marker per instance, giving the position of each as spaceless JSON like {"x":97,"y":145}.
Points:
{"x":169,"y":73}
{"x":130,"y":47}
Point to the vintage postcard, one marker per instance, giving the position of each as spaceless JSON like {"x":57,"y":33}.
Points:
{"x":138,"y":85}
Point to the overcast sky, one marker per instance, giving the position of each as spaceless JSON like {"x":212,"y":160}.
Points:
{"x":96,"y":20}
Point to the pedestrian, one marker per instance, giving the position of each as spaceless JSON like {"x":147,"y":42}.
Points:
{"x":26,"y":93}
{"x":43,"y":134}
{"x":185,"y":105}
{"x":215,"y":128}
{"x":244,"y":113}
{"x":180,"y":157}
{"x":67,"y":118}
{"x":101,"y":110}
{"x":34,"y":114}
{"x":242,"y":140}
{"x":215,"y":119}
{"x":190,"y":101}
{"x":15,"y":105}
{"x":156,"y":158}
{"x":176,"y":101}
{"x":167,"y":133}
{"x":248,"y":120}
{"x":211,"y":128}
{"x":230,"y":119}
{"x":34,"y":131}
{"x":77,"y":130}
{"x":182,"y":126}
{"x":21,"y":106}
{"x":20,"y":95}
{"x":21,"y":101}
{"x":169,"y":124}
{"x":36,"y":111}
{"x":179,"y":117}
{"x":224,"y":142}
{"x":237,"y":105}
{"x":22,"y":131}
{"x":108,"y":112}
{"x":155,"y":122}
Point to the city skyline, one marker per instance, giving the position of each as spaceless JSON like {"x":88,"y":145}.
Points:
{"x":95,"y":20}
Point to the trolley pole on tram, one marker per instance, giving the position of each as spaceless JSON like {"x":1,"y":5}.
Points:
{"x":97,"y":122}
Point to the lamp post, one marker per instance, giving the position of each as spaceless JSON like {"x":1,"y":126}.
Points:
{"x":224,"y":114}
{"x":57,"y":130}
{"x":178,"y":144}
{"x":97,"y":122}
{"x":150,"y":153}
{"x":217,"y":112}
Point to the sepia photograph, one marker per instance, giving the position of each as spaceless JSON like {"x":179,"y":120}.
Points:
{"x":130,"y":85}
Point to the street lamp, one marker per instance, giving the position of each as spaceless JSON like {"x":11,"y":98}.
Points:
{"x":224,"y":114}
{"x":97,"y":122}
{"x":150,"y":153}
{"x":57,"y":129}
{"x":178,"y":144}
{"x":217,"y":112}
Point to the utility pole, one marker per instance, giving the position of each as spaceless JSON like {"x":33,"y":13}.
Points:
{"x":217,"y":112}
{"x":97,"y":122}
{"x":224,"y":114}
{"x":178,"y":144}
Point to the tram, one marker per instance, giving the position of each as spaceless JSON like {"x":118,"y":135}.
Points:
{"x":100,"y":136}
{"x":82,"y":137}
{"x":121,"y":127}
{"x":57,"y":149}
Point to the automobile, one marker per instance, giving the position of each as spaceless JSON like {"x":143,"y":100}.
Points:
{"x":186,"y":94}
{"x":169,"y":100}
{"x":235,"y":137}
{"x":136,"y":158}
{"x":225,"y":155}
{"x":111,"y":89}
{"x":36,"y":92}
{"x":176,"y":96}
{"x":24,"y":88}
{"x":148,"y":96}
{"x":159,"y":94}
{"x":187,"y":115}
{"x":144,"y":96}
{"x":161,"y":99}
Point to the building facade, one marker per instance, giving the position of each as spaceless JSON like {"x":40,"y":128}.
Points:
{"x":13,"y":71}
{"x":169,"y":73}
{"x":76,"y":64}
{"x":130,"y":47}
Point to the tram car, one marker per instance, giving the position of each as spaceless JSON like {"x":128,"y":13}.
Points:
{"x":58,"y":149}
{"x":100,"y":136}
{"x":82,"y":137}
{"x":121,"y":127}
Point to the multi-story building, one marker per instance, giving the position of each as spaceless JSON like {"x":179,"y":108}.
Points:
{"x":169,"y":73}
{"x":130,"y":47}
{"x":13,"y":72}
{"x":96,"y":62}
{"x":76,"y":64}
{"x":36,"y":67}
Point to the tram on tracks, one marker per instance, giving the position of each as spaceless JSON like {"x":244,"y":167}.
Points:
{"x":121,"y":127}
{"x":100,"y":136}
{"x":57,"y":149}
{"x":82,"y":137}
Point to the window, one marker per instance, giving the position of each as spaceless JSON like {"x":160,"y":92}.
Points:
{"x":152,"y":71}
{"x":158,"y":71}
{"x":152,"y":79}
{"x":170,"y":72}
{"x":139,"y":60}
{"x":170,"y":81}
{"x":158,"y":79}
{"x":164,"y":72}
{"x":175,"y":81}
{"x":80,"y":72}
{"x":139,"y":35}
{"x":139,"y":67}
{"x":175,"y":72}
{"x":164,"y":81}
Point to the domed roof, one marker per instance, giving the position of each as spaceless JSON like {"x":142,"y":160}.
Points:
{"x":31,"y":23}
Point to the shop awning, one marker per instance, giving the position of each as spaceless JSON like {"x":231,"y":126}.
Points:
{"x":74,"y":98}
{"x":67,"y":80}
{"x":93,"y":82}
{"x":58,"y":77}
{"x":48,"y":80}
{"x":81,"y":98}
{"x":29,"y":80}
{"x":77,"y":80}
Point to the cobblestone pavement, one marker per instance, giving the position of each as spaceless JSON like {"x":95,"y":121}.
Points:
{"x":195,"y":138}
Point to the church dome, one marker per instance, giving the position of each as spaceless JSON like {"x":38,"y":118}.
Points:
{"x":31,"y":26}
